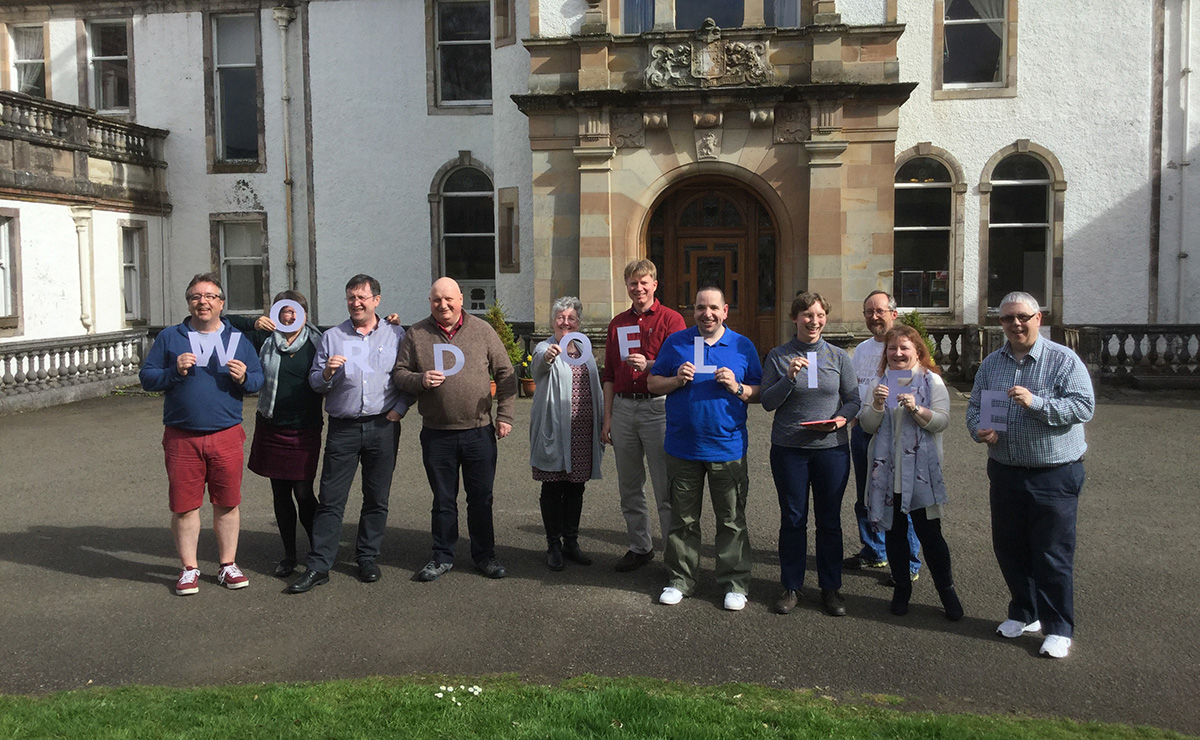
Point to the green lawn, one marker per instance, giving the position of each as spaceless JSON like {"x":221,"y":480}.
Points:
{"x":585,"y":707}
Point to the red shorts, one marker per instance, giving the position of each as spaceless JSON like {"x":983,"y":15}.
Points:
{"x":196,"y":458}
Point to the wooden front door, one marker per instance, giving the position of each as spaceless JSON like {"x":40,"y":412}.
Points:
{"x":717,"y":234}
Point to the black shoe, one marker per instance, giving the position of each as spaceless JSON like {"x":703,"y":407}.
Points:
{"x":554,"y":559}
{"x":951,"y":604}
{"x":432,"y":571}
{"x":787,"y":601}
{"x":572,"y":552}
{"x":631,"y":561}
{"x":286,"y":567}
{"x":858,"y":562}
{"x":368,"y":572}
{"x":834,"y":602}
{"x":308,"y":581}
{"x":900,"y":599}
{"x":492,"y":568}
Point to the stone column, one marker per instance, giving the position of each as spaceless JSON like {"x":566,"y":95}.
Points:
{"x":826,"y":218}
{"x":595,"y":154}
{"x":83,"y":237}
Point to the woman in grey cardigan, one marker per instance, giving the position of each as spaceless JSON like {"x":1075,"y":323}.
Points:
{"x":810,"y":446}
{"x":906,"y":465}
{"x":564,"y":432}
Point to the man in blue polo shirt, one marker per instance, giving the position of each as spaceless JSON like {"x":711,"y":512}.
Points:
{"x":708,"y":373}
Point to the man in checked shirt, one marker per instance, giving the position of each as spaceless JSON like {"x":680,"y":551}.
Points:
{"x":1036,"y":470}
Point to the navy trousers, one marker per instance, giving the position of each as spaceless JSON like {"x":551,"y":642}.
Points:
{"x":1033,"y":536}
{"x":445,"y":453}
{"x":370,"y":441}
{"x":827,"y":471}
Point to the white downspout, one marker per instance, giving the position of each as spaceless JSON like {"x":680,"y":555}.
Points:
{"x":1185,"y":77}
{"x":283,"y":17}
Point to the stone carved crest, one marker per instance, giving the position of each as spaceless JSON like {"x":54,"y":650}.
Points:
{"x":628,"y":130}
{"x":708,"y":144}
{"x":708,"y":60}
{"x":791,"y":124}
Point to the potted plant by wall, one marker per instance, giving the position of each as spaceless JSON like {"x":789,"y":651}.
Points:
{"x":516,"y":356}
{"x":526,"y":375}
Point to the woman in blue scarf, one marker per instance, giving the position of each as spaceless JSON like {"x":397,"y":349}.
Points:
{"x":287,"y":429}
{"x":905,"y":455}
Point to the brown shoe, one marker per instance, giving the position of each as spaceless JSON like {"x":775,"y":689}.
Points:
{"x":631,"y":561}
{"x":787,"y":601}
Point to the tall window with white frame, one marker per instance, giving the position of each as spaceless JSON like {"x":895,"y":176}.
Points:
{"x":243,"y":256}
{"x":29,"y":60}
{"x":235,"y":87}
{"x":133,"y":272}
{"x":8,"y":274}
{"x":1019,"y":229}
{"x":108,"y":66}
{"x":464,"y":52}
{"x":924,"y":214}
{"x":973,"y":43}
{"x":469,"y":236}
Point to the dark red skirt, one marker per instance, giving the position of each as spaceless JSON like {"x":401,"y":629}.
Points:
{"x":284,"y":454}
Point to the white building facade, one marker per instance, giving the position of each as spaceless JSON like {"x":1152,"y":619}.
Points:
{"x":947,"y":151}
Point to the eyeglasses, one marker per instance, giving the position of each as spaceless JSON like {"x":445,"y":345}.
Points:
{"x":197,"y":297}
{"x":876,"y":312}
{"x":1024,"y":318}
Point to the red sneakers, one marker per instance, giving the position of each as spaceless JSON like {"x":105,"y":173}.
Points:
{"x":232,"y":577}
{"x":189,"y":582}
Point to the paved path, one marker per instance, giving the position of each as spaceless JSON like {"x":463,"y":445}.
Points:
{"x":87,"y":568}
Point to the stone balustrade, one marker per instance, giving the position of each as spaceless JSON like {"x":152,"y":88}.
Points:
{"x":41,"y":373}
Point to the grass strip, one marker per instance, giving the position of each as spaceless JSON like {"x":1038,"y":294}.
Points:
{"x":505,"y":707}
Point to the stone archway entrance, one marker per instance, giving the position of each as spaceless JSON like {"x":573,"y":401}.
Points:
{"x":711,"y":231}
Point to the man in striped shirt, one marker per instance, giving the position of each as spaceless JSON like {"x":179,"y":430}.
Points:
{"x":1035,"y":465}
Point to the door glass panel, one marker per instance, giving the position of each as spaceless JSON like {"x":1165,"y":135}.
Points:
{"x":710,"y":272}
{"x":766,"y":272}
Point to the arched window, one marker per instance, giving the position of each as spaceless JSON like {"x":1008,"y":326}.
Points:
{"x":1019,"y":229}
{"x":923,"y":235}
{"x":468,"y":235}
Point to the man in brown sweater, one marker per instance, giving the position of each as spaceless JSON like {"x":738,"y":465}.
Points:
{"x":455,"y":404}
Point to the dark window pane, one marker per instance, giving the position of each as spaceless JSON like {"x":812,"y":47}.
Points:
{"x":1020,"y":167}
{"x":112,"y":84}
{"x":1016,"y":261}
{"x":1020,"y":204}
{"x":922,"y":169}
{"x":31,"y":79}
{"x":470,"y":257}
{"x":463,"y":21}
{"x":239,"y":113}
{"x":467,"y":180}
{"x":690,"y":14}
{"x":468,"y":215}
{"x":711,"y":211}
{"x":711,"y":273}
{"x":922,"y":269}
{"x":235,"y":39}
{"x":243,"y":287}
{"x":466,"y":72}
{"x":638,"y":16}
{"x":109,"y":40}
{"x":972,"y":53}
{"x":923,"y":206}
{"x":656,"y":253}
{"x":766,"y":272}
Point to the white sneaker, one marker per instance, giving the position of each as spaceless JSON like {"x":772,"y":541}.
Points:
{"x":1056,"y":646}
{"x":670,"y":596}
{"x":1011,"y":628}
{"x":735,"y":602}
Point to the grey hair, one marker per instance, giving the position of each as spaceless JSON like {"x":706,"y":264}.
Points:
{"x":891,"y":301}
{"x":562,"y":304}
{"x":1022,"y":298}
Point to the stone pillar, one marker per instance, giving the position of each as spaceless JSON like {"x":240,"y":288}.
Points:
{"x":83,"y":237}
{"x":826,"y":218}
{"x":595,"y":154}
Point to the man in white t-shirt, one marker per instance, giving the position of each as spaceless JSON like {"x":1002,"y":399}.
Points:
{"x":879,"y":312}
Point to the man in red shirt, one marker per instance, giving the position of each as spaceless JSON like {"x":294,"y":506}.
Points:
{"x":634,"y":419}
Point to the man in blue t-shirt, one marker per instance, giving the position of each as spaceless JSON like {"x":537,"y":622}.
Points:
{"x":203,"y":368}
{"x":708,"y":373}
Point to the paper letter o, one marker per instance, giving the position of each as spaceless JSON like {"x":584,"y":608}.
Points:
{"x":583,"y":356}
{"x":296,"y":323}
